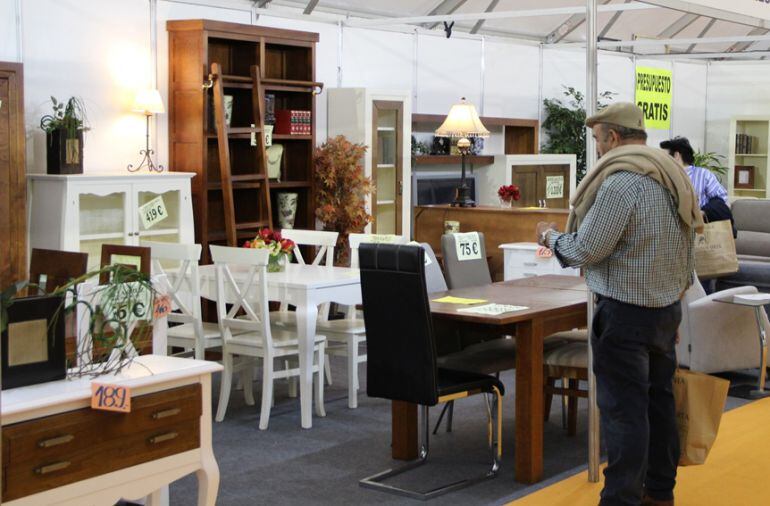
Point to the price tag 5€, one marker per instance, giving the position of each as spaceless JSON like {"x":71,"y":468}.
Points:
{"x":468,"y":246}
{"x":107,"y":397}
{"x":153,"y":212}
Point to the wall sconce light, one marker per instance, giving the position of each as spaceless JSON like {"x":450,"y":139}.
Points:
{"x":147,"y":102}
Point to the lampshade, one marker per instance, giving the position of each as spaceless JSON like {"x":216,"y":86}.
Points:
{"x":148,"y":102}
{"x":462,"y":121}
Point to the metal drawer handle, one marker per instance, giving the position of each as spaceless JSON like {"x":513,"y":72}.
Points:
{"x":50,"y":468}
{"x":531,"y":264}
{"x":530,"y":274}
{"x":166,"y":413}
{"x":55,"y":441}
{"x":163,"y":437}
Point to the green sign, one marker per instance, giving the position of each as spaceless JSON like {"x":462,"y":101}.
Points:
{"x":653,"y":96}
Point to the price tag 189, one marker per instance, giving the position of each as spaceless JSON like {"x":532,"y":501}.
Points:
{"x":468,"y":246}
{"x":153,"y":212}
{"x":107,"y":397}
{"x":162,"y":306}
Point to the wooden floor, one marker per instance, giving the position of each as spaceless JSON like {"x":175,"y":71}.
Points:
{"x":737,"y":471}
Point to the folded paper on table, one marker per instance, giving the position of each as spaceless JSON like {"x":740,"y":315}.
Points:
{"x":492,"y":309}
{"x":458,"y":300}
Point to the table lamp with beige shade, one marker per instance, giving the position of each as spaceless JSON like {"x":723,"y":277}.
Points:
{"x":463,"y":122}
{"x":147,"y":102}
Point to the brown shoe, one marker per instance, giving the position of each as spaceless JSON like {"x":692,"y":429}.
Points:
{"x":649,"y":501}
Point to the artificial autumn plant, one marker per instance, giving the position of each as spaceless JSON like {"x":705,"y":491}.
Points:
{"x":341,"y":191}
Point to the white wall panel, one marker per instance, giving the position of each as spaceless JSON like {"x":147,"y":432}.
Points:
{"x":689,"y":103}
{"x":511,"y":74}
{"x":170,"y":11}
{"x":734,"y":89}
{"x":448,"y":69}
{"x":9,"y":50}
{"x":95,"y":50}
{"x":377,"y":59}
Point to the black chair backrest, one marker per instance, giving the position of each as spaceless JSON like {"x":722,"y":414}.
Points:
{"x":400,"y":347}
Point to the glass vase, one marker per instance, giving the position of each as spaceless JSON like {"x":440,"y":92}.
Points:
{"x":506,"y":204}
{"x":277,"y":263}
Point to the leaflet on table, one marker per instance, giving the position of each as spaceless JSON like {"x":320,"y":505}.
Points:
{"x":492,"y":309}
{"x":458,"y":300}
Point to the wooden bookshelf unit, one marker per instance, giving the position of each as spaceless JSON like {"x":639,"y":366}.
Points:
{"x":286,"y":62}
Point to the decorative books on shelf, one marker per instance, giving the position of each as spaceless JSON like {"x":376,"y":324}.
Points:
{"x":293,"y":122}
{"x":745,"y":144}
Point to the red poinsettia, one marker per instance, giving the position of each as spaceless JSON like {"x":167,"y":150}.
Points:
{"x":271,"y":240}
{"x":508,"y":192}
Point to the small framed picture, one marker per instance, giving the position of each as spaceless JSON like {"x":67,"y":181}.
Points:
{"x":744,"y":176}
{"x":33,"y":342}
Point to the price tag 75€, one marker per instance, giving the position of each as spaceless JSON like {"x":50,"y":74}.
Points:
{"x":468,"y":246}
{"x":153,"y":212}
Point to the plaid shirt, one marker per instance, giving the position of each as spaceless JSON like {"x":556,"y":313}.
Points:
{"x":632,"y":243}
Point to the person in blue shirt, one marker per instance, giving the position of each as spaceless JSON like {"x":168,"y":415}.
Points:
{"x":706,"y":185}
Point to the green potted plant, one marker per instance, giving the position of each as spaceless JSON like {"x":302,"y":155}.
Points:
{"x":565,"y":126}
{"x":64,"y":136}
{"x":341,"y":190}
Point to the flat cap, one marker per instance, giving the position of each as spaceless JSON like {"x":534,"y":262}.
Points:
{"x":625,"y":114}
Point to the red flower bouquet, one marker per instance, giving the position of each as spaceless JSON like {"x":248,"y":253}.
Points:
{"x":508,"y":193}
{"x":280,"y":248}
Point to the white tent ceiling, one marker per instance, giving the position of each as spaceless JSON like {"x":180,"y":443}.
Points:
{"x":652,"y":23}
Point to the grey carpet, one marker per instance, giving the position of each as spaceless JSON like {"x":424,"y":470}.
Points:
{"x":288,"y":465}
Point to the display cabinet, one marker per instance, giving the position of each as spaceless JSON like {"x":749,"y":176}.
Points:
{"x":81,"y":212}
{"x":747,"y":174}
{"x":381,"y":120}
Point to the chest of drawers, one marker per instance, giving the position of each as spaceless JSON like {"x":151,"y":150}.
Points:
{"x":519,"y":261}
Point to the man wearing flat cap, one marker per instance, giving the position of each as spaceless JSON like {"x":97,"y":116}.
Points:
{"x":631,"y":227}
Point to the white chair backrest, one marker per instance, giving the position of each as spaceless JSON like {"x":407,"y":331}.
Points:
{"x":183,"y":285}
{"x":356,"y":240}
{"x":434,"y":278}
{"x":246,"y":290}
{"x":324,"y":241}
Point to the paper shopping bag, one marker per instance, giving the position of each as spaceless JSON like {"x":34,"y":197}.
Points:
{"x":715,"y":250}
{"x":700,"y":400}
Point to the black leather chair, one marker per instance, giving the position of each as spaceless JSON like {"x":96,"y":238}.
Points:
{"x":402,"y":354}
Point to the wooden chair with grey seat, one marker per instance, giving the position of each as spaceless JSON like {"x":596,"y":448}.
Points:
{"x":569,"y":361}
{"x":402,"y":356}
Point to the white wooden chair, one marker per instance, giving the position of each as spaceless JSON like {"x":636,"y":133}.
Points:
{"x":345,"y":336}
{"x":183,"y":286}
{"x":251,"y":335}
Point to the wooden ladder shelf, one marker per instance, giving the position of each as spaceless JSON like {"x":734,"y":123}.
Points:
{"x":258,"y":180}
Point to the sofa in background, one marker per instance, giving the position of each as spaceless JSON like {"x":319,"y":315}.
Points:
{"x":752,"y":220}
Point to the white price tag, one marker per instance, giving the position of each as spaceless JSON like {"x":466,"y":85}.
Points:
{"x":381,"y":238}
{"x":468,"y":246}
{"x":153,"y":212}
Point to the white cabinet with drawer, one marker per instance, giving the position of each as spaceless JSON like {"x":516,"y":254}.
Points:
{"x":520,"y":261}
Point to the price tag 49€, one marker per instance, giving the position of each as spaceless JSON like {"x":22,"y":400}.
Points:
{"x":468,"y":246}
{"x":108,"y":397}
{"x":153,"y":212}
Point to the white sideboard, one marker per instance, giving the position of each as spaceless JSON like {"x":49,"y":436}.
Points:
{"x":520,"y":261}
{"x":489,"y":179}
{"x":80,"y":212}
{"x":57,"y":450}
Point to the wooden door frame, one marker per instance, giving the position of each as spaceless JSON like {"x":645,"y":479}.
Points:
{"x":398,"y":106}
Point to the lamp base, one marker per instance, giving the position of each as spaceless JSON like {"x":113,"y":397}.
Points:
{"x":463,"y":197}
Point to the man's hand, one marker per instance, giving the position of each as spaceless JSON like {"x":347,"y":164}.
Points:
{"x":541,"y":228}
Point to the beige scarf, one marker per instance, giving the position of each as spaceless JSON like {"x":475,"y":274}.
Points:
{"x":651,"y":162}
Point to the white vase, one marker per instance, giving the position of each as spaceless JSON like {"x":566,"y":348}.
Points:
{"x":287,"y":209}
{"x":228,"y":100}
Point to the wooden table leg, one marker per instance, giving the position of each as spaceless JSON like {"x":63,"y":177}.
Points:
{"x":404,"y":430}
{"x":529,"y":402}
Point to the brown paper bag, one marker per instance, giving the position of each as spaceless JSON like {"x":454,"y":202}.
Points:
{"x":715,"y":250}
{"x":700,"y":400}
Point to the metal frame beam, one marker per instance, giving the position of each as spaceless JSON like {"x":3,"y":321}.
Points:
{"x":702,"y":34}
{"x":709,"y":56}
{"x":672,"y":41}
{"x":262,"y":4}
{"x":611,"y":23}
{"x":568,"y":26}
{"x":556,"y":11}
{"x":732,"y":17}
{"x":677,"y":26}
{"x":445,"y":7}
{"x":310,"y":6}
{"x":480,"y":22}
{"x":742,"y":46}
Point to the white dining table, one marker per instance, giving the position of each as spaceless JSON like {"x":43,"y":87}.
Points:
{"x":306,"y":287}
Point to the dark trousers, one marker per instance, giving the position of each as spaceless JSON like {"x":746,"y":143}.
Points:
{"x":634,"y":363}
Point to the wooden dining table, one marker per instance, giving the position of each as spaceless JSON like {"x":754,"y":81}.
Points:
{"x":553,"y":304}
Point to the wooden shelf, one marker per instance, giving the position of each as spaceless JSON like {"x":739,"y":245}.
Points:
{"x":290,"y":184}
{"x":454,"y":159}
{"x":102,"y":237}
{"x":291,"y":85}
{"x":159,"y":231}
{"x":751,"y":154}
{"x":486,"y":120}
{"x":292,"y":137}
